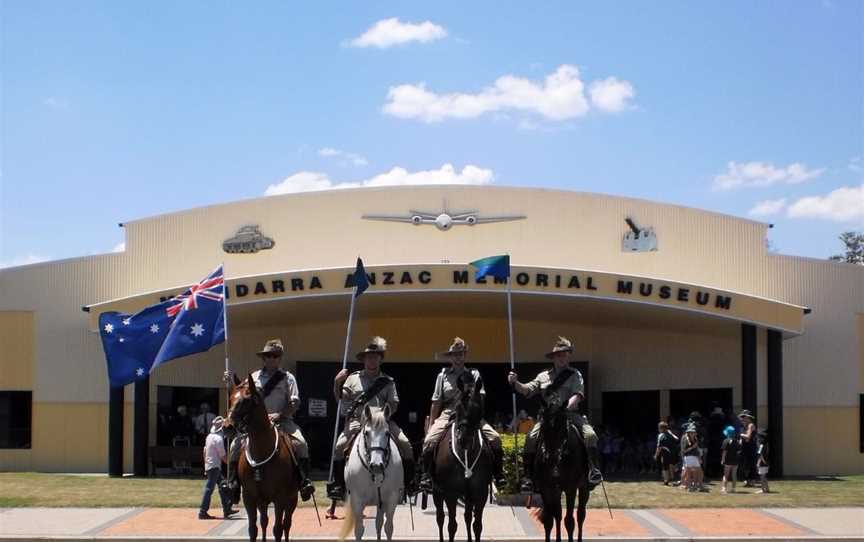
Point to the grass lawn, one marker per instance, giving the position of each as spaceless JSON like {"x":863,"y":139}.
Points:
{"x":811,"y":492}
{"x":63,"y":490}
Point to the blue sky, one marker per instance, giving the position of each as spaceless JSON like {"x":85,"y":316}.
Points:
{"x":114,"y":111}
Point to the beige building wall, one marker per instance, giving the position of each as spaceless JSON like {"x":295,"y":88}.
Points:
{"x":822,"y":368}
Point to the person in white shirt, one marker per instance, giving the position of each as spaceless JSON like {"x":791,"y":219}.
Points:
{"x":214,"y":456}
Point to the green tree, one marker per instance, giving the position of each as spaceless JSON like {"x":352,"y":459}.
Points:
{"x":854,"y":242}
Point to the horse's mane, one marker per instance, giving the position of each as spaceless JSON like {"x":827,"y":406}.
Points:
{"x":376,"y":421}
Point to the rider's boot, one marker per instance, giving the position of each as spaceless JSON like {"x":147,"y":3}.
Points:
{"x":336,"y":488}
{"x":498,"y":468}
{"x":306,"y":487}
{"x":428,"y":460}
{"x":408,"y":472}
{"x":527,"y":485}
{"x":234,"y":481}
{"x":594,"y":474}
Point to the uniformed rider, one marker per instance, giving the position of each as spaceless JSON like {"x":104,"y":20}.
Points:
{"x":281,"y":399}
{"x":354,"y":391}
{"x":445,"y":396}
{"x":560,"y":385}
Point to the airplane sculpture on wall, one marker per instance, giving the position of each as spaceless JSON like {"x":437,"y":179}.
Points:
{"x":444,"y":220}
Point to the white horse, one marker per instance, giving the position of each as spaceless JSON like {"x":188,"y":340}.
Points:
{"x":373,"y":475}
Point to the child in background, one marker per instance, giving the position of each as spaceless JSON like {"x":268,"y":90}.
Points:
{"x":666,"y":452}
{"x":762,"y":462}
{"x":731,"y":453}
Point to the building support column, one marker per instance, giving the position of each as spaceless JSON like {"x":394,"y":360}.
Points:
{"x":748,"y":368}
{"x":775,"y":402}
{"x":115,"y":431}
{"x":141,"y":428}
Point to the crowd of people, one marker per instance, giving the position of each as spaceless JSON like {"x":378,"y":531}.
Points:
{"x":723,"y":446}
{"x":184,"y":427}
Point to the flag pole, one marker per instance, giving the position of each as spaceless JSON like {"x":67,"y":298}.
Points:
{"x":344,"y":365}
{"x":225,"y":322}
{"x":512,"y":363}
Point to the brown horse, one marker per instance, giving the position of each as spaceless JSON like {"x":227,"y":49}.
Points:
{"x":267,"y":468}
{"x":561,"y":466}
{"x":463,"y":464}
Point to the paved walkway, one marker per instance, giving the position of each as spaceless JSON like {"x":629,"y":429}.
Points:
{"x":500,"y":523}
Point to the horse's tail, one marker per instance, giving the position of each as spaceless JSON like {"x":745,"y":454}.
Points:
{"x":347,"y":523}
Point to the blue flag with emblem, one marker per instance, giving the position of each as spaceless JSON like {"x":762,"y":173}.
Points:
{"x":359,"y":278}
{"x":189,"y":323}
{"x":494,"y":266}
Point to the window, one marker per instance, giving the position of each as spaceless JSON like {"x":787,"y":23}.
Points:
{"x":16,"y":409}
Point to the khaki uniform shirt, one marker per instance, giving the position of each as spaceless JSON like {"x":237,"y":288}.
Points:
{"x":284,"y":396}
{"x":565,"y":391}
{"x":358,"y":382}
{"x":447,"y":387}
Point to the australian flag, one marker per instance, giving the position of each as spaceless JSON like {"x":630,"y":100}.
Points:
{"x":189,"y":323}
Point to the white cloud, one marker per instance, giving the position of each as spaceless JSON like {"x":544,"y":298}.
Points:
{"x":749,"y":174}
{"x":119,"y":247}
{"x":389,"y":32}
{"x":611,"y":95}
{"x":843,"y":204}
{"x":768,"y":207}
{"x":305,"y":181}
{"x":559,"y":97}
{"x":349,"y":157}
{"x":56,"y":103}
{"x":26,"y":259}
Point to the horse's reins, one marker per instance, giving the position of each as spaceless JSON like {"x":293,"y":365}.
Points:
{"x":469,"y":471}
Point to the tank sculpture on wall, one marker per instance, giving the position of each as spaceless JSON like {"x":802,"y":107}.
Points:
{"x":247,"y":240}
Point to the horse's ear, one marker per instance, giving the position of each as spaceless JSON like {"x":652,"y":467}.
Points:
{"x":250,"y":383}
{"x":367,"y":412}
{"x":387,"y":412}
{"x":236,"y":379}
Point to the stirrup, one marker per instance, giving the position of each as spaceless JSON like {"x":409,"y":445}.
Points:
{"x":335,"y":492}
{"x":594,"y":478}
{"x":306,"y":490}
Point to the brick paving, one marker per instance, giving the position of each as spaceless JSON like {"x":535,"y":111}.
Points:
{"x":500,"y":523}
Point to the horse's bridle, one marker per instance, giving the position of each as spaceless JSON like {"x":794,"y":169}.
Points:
{"x":363,"y":450}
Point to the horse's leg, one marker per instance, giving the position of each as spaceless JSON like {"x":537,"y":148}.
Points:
{"x":580,"y":511}
{"x":251,"y":517}
{"x":388,"y":522}
{"x":452,"y":524}
{"x":569,"y":522}
{"x":379,"y":520}
{"x":265,"y":520}
{"x":469,"y":512}
{"x":279,"y":509}
{"x":438,"y":499}
{"x":557,"y":517}
{"x":358,"y":519}
{"x":548,"y":516}
{"x":289,"y":513}
{"x":478,"y":517}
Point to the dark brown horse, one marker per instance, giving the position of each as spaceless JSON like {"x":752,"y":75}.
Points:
{"x":463,"y":464}
{"x":267,"y":468}
{"x":561,"y":466}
